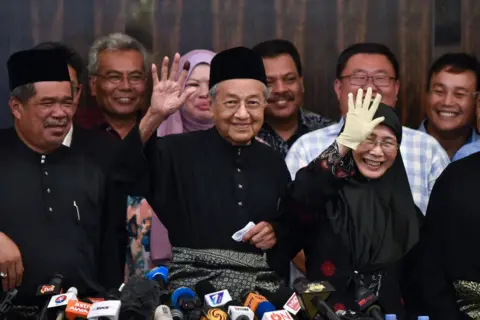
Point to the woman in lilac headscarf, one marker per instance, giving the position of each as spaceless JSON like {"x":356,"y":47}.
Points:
{"x":195,"y":114}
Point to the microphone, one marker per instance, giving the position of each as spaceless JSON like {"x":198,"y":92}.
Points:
{"x":258,"y":304}
{"x":177,"y":314}
{"x":264,"y":307}
{"x":184,"y":299}
{"x":307,"y":290}
{"x":365,"y":298}
{"x":277,"y":315}
{"x":238,"y":312}
{"x":114,"y":294}
{"x":54,"y":287}
{"x":210,"y":296}
{"x":375,"y":312}
{"x":253,"y":299}
{"x":58,"y":303}
{"x":159,"y":274}
{"x":163,"y":313}
{"x":77,"y":309}
{"x":324,"y":309}
{"x":284,"y":298}
{"x":140,"y":297}
{"x":6,"y":304}
{"x":109,"y":309}
{"x":214,"y":314}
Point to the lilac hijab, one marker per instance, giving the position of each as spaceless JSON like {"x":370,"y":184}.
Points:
{"x":181,"y":121}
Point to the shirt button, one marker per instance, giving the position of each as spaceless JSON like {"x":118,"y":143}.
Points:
{"x":240,"y":203}
{"x":50,"y":209}
{"x":43,"y":161}
{"x":46,"y":173}
{"x":240,"y":186}
{"x":238,"y":170}
{"x":48,"y":190}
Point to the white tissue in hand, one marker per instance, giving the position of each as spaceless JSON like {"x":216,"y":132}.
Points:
{"x":238,"y":236}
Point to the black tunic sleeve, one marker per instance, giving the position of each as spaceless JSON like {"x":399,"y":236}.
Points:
{"x":431,"y":291}
{"x":128,"y":174}
{"x":313,"y":186}
{"x":130,"y":165}
{"x":320,"y":180}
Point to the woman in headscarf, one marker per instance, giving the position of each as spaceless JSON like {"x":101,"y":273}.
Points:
{"x":354,"y":211}
{"x":195,"y":113}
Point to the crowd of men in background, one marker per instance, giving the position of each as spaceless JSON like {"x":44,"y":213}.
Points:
{"x":132,"y":106}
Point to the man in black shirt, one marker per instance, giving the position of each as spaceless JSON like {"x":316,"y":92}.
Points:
{"x":54,"y":211}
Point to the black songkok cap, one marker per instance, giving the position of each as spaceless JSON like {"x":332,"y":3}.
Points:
{"x":32,"y":66}
{"x":237,"y":63}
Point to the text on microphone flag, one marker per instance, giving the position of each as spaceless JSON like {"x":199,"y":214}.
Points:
{"x":277,"y":315}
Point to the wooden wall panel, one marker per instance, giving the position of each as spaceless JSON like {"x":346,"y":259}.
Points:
{"x":319,"y":54}
{"x":319,"y":28}
{"x":415,"y":22}
{"x":471,"y":26}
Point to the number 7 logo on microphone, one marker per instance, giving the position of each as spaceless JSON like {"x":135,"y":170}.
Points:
{"x":218,"y":299}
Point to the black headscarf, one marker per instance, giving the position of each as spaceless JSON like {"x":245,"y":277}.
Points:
{"x":378,"y":218}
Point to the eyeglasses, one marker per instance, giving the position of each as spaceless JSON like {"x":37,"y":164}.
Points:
{"x":133,"y":79}
{"x":233,"y":105}
{"x":361,"y":79}
{"x":387,"y":146}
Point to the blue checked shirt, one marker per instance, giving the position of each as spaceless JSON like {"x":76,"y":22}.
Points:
{"x":423,"y":157}
{"x":467,"y":150}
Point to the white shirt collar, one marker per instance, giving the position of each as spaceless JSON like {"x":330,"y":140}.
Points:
{"x":67,"y":141}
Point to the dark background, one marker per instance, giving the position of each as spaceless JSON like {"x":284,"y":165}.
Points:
{"x":416,"y":30}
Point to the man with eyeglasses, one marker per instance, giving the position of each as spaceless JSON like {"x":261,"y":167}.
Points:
{"x":364,"y":65}
{"x":453,"y":83}
{"x":117,"y":68}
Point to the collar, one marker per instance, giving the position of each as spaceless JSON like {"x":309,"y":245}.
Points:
{"x":67,"y":141}
{"x":422,"y":126}
{"x":16,"y":143}
{"x":473,"y":137}
{"x":224,"y":143}
{"x":105,"y":126}
{"x":302,"y":117}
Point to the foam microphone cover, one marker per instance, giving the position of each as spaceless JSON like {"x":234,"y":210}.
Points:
{"x":140,"y":296}
{"x":245,"y":292}
{"x":112,"y":294}
{"x":177,"y":314}
{"x":279,"y":297}
{"x":233,"y":302}
{"x":203,"y":288}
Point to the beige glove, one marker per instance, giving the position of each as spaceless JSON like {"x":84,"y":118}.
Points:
{"x":359,"y":122}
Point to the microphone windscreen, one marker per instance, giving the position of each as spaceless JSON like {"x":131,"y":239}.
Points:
{"x":236,"y":303}
{"x":280,"y":297}
{"x":203,"y":288}
{"x":140,"y":296}
{"x":300,"y":280}
{"x":264,"y":307}
{"x":177,"y":314}
{"x":179,"y":293}
{"x":245,"y":292}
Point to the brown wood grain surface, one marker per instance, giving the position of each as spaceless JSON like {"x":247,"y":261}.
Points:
{"x":319,"y":28}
